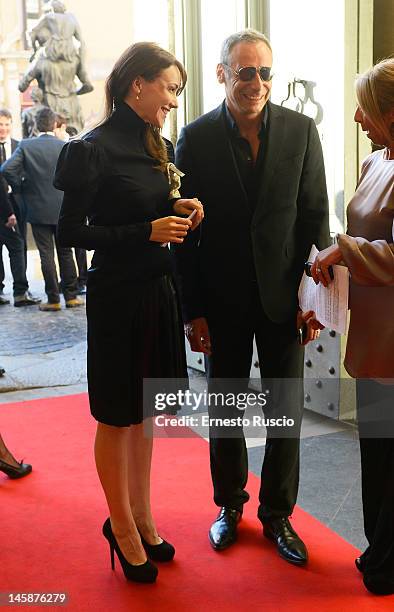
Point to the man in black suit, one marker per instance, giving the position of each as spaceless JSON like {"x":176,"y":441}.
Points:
{"x":35,"y":160}
{"x":258,"y":170}
{"x":12,"y":224}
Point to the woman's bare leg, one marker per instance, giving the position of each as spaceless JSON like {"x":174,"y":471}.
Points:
{"x":140,"y":459}
{"x":111,"y":456}
{"x":6,"y":455}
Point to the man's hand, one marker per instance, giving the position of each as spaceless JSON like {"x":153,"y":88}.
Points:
{"x":185,"y":207}
{"x":169,"y":229}
{"x":197,"y":333}
{"x":324,"y":259}
{"x":313,"y":326}
{"x":11,"y":221}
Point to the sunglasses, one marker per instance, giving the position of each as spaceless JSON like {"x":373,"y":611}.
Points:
{"x":248,"y":73}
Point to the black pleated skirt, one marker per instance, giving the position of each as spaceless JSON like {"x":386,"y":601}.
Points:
{"x":133,"y":335}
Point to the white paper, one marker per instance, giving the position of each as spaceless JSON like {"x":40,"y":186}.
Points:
{"x":330,"y":304}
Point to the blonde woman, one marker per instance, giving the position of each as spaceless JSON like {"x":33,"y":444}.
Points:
{"x":368,"y":251}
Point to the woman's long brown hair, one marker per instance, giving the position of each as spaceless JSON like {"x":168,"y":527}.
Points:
{"x":147,"y":60}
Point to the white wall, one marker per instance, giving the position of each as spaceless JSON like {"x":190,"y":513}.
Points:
{"x":307,"y":37}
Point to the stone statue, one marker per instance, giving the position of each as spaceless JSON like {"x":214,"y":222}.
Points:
{"x":28,"y":117}
{"x":59,"y":57}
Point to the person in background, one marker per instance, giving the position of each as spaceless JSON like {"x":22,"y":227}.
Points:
{"x":60,"y":129}
{"x":80,"y":254}
{"x":71,"y":131}
{"x":35,"y":159}
{"x":82,"y":265}
{"x":119,"y":175}
{"x":28,"y":117}
{"x":7,"y":146}
{"x":259,"y":170}
{"x":368,"y":251}
{"x":12,"y":224}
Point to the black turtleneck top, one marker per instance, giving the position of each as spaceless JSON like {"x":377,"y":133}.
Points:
{"x":109,"y":179}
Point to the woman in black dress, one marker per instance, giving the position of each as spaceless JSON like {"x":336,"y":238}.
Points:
{"x":117,"y":176}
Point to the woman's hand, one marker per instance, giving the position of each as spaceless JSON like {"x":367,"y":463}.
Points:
{"x":185,"y":207}
{"x":320,"y":267}
{"x":313,"y":326}
{"x":169,"y":229}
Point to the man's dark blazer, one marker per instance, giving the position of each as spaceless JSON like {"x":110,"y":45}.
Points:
{"x":30,"y":171}
{"x":290,"y":214}
{"x":8,"y":203}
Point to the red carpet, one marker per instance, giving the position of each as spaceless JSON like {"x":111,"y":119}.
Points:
{"x":51,"y":531}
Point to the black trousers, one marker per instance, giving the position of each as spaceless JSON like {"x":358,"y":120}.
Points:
{"x":15,"y":244}
{"x":45,"y":238}
{"x":2,"y":272}
{"x":375,"y":410}
{"x":22,"y":227}
{"x":281,"y":358}
{"x":21,"y":231}
{"x":82,"y":265}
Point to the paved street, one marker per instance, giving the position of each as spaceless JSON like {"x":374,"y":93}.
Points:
{"x":27,"y":330}
{"x":40,"y":349}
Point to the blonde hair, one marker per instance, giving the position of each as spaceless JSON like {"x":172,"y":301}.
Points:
{"x":148,"y":60}
{"x":375,"y":94}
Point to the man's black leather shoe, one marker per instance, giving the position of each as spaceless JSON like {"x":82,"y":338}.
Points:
{"x":290,"y":546}
{"x":223,"y":531}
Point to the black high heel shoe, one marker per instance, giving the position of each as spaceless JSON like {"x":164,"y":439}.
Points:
{"x":147,"y":572}
{"x":23,"y":469}
{"x":159,"y":552}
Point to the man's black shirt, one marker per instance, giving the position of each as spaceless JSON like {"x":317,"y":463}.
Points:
{"x":249,"y":171}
